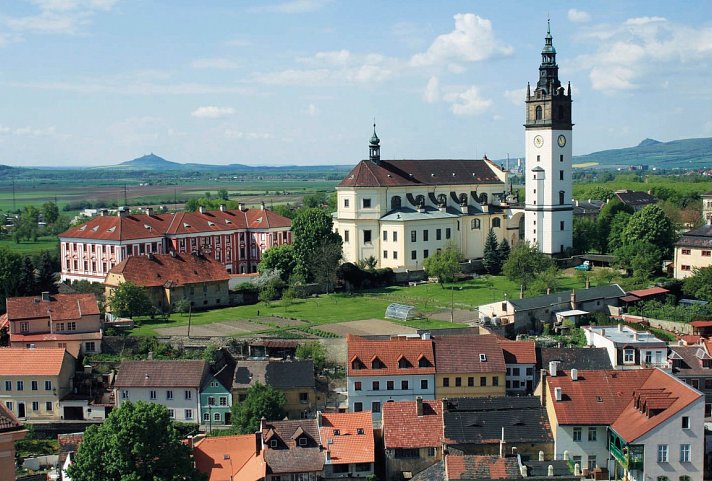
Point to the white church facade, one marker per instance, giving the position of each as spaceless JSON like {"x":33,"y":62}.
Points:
{"x":403,"y":211}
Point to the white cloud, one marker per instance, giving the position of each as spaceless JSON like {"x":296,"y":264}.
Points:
{"x":643,"y":51}
{"x":337,"y":57}
{"x":578,"y":16}
{"x":240,"y":135}
{"x":467,"y":102}
{"x":212,"y":112}
{"x":28,"y":131}
{"x":472,"y":40}
{"x":293,"y":6}
{"x":432,"y":91}
{"x":59,"y":16}
{"x":516,"y":96}
{"x":214,"y":63}
{"x":312,"y":110}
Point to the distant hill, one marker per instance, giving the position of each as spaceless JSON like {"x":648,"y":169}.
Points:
{"x":684,"y":153}
{"x":155,"y":162}
{"x":149,"y":162}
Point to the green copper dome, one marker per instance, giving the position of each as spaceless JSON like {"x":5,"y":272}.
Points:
{"x":374,"y":138}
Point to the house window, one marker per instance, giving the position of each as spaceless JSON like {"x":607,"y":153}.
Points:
{"x":35,"y":406}
{"x":404,"y":385}
{"x":367,"y":237}
{"x":303,"y":397}
{"x":188,"y":394}
{"x":346,"y":235}
{"x":561,"y":197}
{"x":358,"y":407}
{"x":475,"y":224}
{"x":538,"y":112}
{"x":395,"y":254}
{"x":470,"y":381}
{"x":684,"y":453}
{"x":361,"y":467}
{"x":8,"y":385}
{"x":413,"y":236}
{"x":169,"y":395}
{"x":662,"y":453}
{"x":515,"y":371}
{"x":496,"y":222}
{"x":375,"y":386}
{"x":706,"y":253}
{"x":495,"y":380}
{"x":686,"y":252}
{"x":390,"y":386}
{"x":423,"y":384}
{"x":395,"y":236}
{"x":385,"y":235}
{"x":24,"y":327}
{"x":346,"y":203}
{"x":124,"y":394}
{"x":188,"y":414}
{"x":8,"y":405}
{"x":49,"y":406}
{"x":20,"y":385}
{"x":413,"y":255}
{"x":153,"y":395}
{"x":272,"y":443}
{"x":48,"y":385}
{"x":483,"y":381}
{"x":90,"y":346}
{"x":561,"y":157}
{"x":357,"y":386}
{"x":385,"y":254}
{"x":425,"y":235}
{"x":447,"y":233}
{"x":446,"y":382}
{"x":71,"y":326}
{"x":685,"y":268}
{"x":591,"y":463}
{"x":431,"y":452}
{"x":438,"y":234}
{"x":577,"y":434}
{"x":426,"y":254}
{"x":366,"y":203}
{"x":592,"y":434}
{"x":628,"y":356}
{"x":206,"y":417}
{"x":171,"y":413}
{"x":302,"y":441}
{"x":223,"y":400}
{"x":561,"y":225}
{"x":376,"y":406}
{"x":211,"y":401}
{"x":33,"y":385}
{"x":686,"y":422}
{"x":483,"y":357}
{"x":458,"y":381}
{"x":407,"y":453}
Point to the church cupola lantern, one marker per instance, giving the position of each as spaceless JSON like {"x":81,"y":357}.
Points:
{"x":374,"y":148}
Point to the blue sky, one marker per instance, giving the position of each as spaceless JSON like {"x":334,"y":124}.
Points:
{"x":97,"y":82}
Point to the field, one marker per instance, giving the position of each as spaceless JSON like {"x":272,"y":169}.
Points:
{"x":31,"y":248}
{"x":330,"y":315}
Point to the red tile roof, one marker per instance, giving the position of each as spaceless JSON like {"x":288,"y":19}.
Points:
{"x":83,"y":336}
{"x":652,"y":291}
{"x":660,"y":391}
{"x":3,"y":321}
{"x":608,"y":398}
{"x":695,"y":324}
{"x":170,"y":270}
{"x":354,"y":442}
{"x":120,"y":228}
{"x":461,"y":354}
{"x":31,"y":362}
{"x":519,"y":352}
{"x":389,"y":173}
{"x":210,"y":459}
{"x":471,"y":467}
{"x":389,"y":352}
{"x":403,"y":428}
{"x":8,"y":421}
{"x":61,"y":307}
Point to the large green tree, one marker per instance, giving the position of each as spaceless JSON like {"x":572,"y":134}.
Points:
{"x":618,"y":226}
{"x":524,"y":263}
{"x":312,"y":232}
{"x":261,"y":401}
{"x":585,"y":235}
{"x":650,"y":224}
{"x":503,"y":250}
{"x":279,"y":258}
{"x":50,"y":212}
{"x":490,"y":257}
{"x":129,"y":300}
{"x":608,"y":212}
{"x":137,"y":442}
{"x":699,"y":285}
{"x":640,"y":260}
{"x":313,"y":350}
{"x":444,"y":265}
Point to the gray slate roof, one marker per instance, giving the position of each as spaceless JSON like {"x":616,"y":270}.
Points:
{"x":177,"y":373}
{"x":436,"y":472}
{"x":581,"y":358}
{"x":612,"y":291}
{"x":480,"y":420}
{"x":700,"y":237}
{"x":277,"y":374}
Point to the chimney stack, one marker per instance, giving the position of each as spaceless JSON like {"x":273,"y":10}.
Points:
{"x":557,"y":393}
{"x":258,"y":442}
{"x":574,"y":374}
{"x":123,"y":211}
{"x":222,"y":208}
{"x":262,"y":205}
{"x":573,"y":298}
{"x":148,"y":211}
{"x":620,"y":327}
{"x":541,"y":455}
{"x":201,"y":209}
{"x":588,"y":283}
{"x":45,"y":296}
{"x":241,"y":207}
{"x":553,"y":367}
{"x":419,"y":406}
{"x":502,"y":444}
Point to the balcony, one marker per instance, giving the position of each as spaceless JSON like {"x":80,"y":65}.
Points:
{"x":629,"y":457}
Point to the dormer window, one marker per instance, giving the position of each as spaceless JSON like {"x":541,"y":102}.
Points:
{"x":404,"y":363}
{"x":423,"y":362}
{"x":359,"y":431}
{"x":356,"y":364}
{"x":376,"y":364}
{"x":272,"y":443}
{"x":337,"y":432}
{"x":483,"y":357}
{"x":302,"y":441}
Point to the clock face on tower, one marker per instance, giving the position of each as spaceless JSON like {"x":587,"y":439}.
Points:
{"x":562,"y":140}
{"x":538,"y":141}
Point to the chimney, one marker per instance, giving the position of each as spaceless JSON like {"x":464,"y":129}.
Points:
{"x":104,"y":212}
{"x":502,"y":444}
{"x":45,"y":296}
{"x":577,"y":469}
{"x":541,"y":455}
{"x":241,"y":207}
{"x":262,"y":205}
{"x":548,"y":291}
{"x":557,"y":393}
{"x":553,"y":365}
{"x":523,"y":470}
{"x":573,"y":298}
{"x":222,"y":208}
{"x":123,"y":211}
{"x":550,"y":471}
{"x":566,"y":455}
{"x":574,"y":374}
{"x":588,"y":283}
{"x":419,"y":406}
{"x":258,"y":442}
{"x":514,"y":450}
{"x":620,"y":327}
{"x":201,"y":209}
{"x":148,"y":211}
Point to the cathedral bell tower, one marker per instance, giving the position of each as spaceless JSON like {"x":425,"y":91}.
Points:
{"x":548,"y":129}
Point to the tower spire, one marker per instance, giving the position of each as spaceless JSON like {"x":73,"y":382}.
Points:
{"x":374,"y":148}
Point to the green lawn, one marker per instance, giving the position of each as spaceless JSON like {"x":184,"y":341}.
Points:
{"x":48,"y":243}
{"x":334,"y":308}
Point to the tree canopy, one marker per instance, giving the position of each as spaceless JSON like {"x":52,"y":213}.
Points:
{"x":699,"y":285}
{"x":490,"y":257}
{"x":650,"y":224}
{"x":608,"y":212}
{"x":137,"y":442}
{"x":313,"y":233}
{"x":313,"y":350}
{"x":261,"y":401}
{"x":129,"y":300}
{"x":279,"y":258}
{"x":524,"y":263}
{"x":444,"y":265}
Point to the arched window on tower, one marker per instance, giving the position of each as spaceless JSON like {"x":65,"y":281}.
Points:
{"x":561,"y":197}
{"x":496,"y":222}
{"x":561,"y":112}
{"x":475,"y":224}
{"x":395,"y":202}
{"x":538,"y":112}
